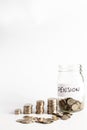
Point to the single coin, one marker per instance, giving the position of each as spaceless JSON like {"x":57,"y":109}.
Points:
{"x":65,"y":117}
{"x":58,"y":114}
{"x":70,"y":101}
{"x":75,"y":107}
{"x":25,"y":121}
{"x":55,"y":118}
{"x":45,"y":120}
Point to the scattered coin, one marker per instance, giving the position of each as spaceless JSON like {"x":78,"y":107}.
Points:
{"x":67,"y":113}
{"x":35,"y":119}
{"x":49,"y":120}
{"x":65,"y":117}
{"x":18,"y":111}
{"x":58,"y":114}
{"x":19,"y":120}
{"x":55,"y":118}
{"x":31,"y":118}
{"x":24,"y":121}
{"x":28,"y":117}
{"x":45,"y":120}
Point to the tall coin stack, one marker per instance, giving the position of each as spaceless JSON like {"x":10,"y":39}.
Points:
{"x":52,"y":105}
{"x":40,"y":107}
{"x":27,"y":109}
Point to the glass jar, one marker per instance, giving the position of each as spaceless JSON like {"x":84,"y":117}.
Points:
{"x":70,"y":88}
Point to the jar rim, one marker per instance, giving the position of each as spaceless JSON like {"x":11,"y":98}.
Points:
{"x":69,"y":67}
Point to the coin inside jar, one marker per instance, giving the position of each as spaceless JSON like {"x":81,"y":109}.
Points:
{"x":70,"y":105}
{"x":26,"y":120}
{"x":70,"y":101}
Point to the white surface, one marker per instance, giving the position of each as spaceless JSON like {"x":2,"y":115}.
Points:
{"x":77,"y":121}
{"x":36,"y":36}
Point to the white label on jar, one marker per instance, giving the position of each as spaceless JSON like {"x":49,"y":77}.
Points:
{"x":69,"y":90}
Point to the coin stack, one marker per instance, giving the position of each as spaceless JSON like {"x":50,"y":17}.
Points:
{"x":70,"y":105}
{"x":27,"y":109}
{"x":40,"y":107}
{"x":52,"y":105}
{"x":18,"y":111}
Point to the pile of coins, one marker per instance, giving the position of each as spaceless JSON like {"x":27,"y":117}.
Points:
{"x":52,"y":105}
{"x":27,"y":109}
{"x":70,"y":105}
{"x":30,"y":119}
{"x":26,"y":120}
{"x":67,"y":106}
{"x":42,"y":120}
{"x":62,"y":115}
{"x":40,"y":107}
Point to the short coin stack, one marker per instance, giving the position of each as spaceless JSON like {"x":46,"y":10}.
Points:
{"x":27,"y":109}
{"x":40,"y":107}
{"x":70,"y":105}
{"x":52,"y":105}
{"x":18,"y":111}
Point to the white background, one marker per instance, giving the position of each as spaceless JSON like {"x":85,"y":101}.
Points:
{"x":36,"y":36}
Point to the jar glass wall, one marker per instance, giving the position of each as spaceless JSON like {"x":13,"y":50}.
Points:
{"x":70,"y":88}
